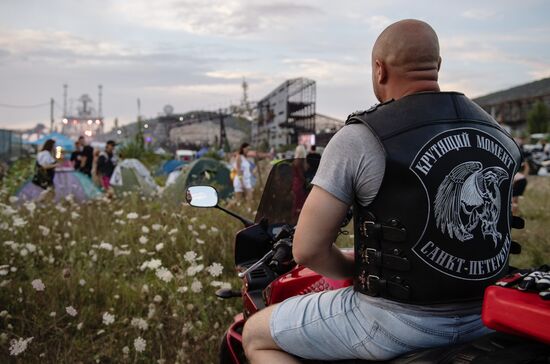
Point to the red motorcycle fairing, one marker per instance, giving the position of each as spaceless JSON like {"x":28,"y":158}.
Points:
{"x":300,"y":280}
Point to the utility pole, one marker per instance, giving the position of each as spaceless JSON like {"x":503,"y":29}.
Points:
{"x":51,"y":114}
{"x":224,"y":143}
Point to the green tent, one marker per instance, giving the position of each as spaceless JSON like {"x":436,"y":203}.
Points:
{"x":132,"y":175}
{"x":203,"y":171}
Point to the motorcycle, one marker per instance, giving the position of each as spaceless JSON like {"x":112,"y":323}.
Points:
{"x":264,"y":262}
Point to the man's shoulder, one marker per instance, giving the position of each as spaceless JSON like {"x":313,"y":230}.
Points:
{"x":361,"y":115}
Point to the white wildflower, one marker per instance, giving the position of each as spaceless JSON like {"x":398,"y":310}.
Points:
{"x":132,"y":216}
{"x":173,"y":231}
{"x":164,"y":274}
{"x":145,"y":229}
{"x":53,"y":314}
{"x":157,"y":299}
{"x":200,"y":241}
{"x":215,"y":269}
{"x":108,"y":318}
{"x":38,"y":285}
{"x":182,"y":289}
{"x":105,"y":246}
{"x":4,"y":313}
{"x":190,"y":227}
{"x":24,"y":252}
{"x":190,"y":256}
{"x":31,"y":206}
{"x":140,"y":344}
{"x":79,"y":326}
{"x":143,"y":239}
{"x":82,"y":282}
{"x":13,"y":199}
{"x":30,"y":247}
{"x":125,"y":351}
{"x":193,"y":219}
{"x":71,"y":311}
{"x":19,"y":222}
{"x":4,"y":272}
{"x":74,"y":215}
{"x":139,"y":323}
{"x":194,"y":269}
{"x":17,"y":346}
{"x":118,"y":212}
{"x":152,"y":264}
{"x":159,"y":247}
{"x":214,"y":229}
{"x":156,"y":227}
{"x":202,"y":226}
{"x":196,"y":286}
{"x":44,"y":230}
{"x":195,"y":233}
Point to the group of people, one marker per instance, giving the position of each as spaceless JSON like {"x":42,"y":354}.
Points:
{"x":97,"y":165}
{"x":243,"y":169}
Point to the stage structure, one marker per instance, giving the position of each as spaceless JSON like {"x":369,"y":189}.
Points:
{"x":86,"y":119}
{"x":286,"y":115}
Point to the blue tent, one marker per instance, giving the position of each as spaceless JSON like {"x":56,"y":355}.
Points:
{"x":171,"y":165}
{"x":60,"y":140}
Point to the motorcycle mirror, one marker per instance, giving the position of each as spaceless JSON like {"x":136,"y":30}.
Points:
{"x":202,"y":196}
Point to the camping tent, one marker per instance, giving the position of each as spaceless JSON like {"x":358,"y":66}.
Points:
{"x":66,"y":182}
{"x":171,"y":165}
{"x":203,"y":171}
{"x":132,"y":175}
{"x":61,"y":140}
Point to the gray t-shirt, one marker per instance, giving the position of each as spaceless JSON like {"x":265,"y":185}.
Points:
{"x":351,"y":169}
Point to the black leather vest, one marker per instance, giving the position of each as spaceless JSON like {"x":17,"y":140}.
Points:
{"x":438,"y":230}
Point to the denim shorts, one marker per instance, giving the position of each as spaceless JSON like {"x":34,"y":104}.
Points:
{"x":341,"y":324}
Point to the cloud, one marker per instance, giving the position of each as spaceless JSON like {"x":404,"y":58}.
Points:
{"x":213,"y":17}
{"x":377,"y":23}
{"x":478,"y":14}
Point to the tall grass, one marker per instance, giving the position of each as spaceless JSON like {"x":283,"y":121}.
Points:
{"x":91,"y":257}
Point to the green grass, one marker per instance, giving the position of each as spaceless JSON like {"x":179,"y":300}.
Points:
{"x":183,"y":326}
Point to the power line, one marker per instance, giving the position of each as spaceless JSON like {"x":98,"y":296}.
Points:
{"x":25,"y":106}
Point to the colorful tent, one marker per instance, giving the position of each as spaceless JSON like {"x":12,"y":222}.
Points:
{"x":203,"y":171}
{"x":66,"y":182}
{"x":132,"y":175}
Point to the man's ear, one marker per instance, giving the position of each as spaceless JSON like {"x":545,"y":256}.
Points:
{"x":381,"y":72}
{"x":439,"y":64}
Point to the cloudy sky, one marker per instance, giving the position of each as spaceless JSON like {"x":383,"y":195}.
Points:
{"x":193,"y":54}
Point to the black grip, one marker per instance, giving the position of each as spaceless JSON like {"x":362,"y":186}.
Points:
{"x":282,"y":254}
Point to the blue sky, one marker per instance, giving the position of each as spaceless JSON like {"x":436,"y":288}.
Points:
{"x":193,"y":54}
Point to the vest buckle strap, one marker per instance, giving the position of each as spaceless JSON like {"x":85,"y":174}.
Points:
{"x":390,"y":261}
{"x":378,"y":231}
{"x":377,"y":286}
{"x":366,"y":228}
{"x":373,"y":284}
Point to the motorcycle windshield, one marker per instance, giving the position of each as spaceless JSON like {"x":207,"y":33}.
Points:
{"x":286,"y":189}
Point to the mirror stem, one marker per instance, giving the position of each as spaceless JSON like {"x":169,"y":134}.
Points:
{"x":246,"y":222}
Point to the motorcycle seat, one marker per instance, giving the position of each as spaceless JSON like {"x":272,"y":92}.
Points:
{"x":492,"y":348}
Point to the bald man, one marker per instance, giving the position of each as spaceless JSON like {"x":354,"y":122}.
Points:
{"x":429,"y":175}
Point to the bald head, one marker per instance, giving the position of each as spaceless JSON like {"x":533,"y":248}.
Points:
{"x":405,"y":58}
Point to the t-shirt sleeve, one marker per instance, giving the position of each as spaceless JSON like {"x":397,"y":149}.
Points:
{"x":44,"y":158}
{"x":352,"y":165}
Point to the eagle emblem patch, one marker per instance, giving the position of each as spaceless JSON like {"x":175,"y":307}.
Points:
{"x":467,"y":175}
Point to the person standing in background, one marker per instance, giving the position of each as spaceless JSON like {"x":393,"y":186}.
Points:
{"x":87,"y":157}
{"x":106,"y":163}
{"x":76,"y":156}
